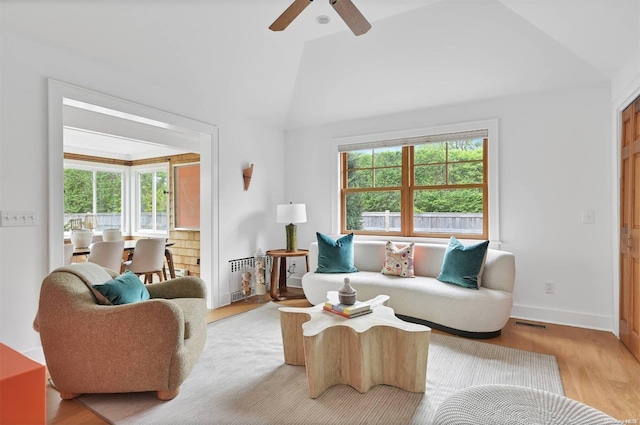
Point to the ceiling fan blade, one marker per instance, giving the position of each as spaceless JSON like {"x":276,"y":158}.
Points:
{"x":289,"y":14}
{"x":351,"y":16}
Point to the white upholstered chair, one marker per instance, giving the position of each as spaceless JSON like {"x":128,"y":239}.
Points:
{"x":148,"y":259}
{"x":107,"y":254}
{"x":68,"y":253}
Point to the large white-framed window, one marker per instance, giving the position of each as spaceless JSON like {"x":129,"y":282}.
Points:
{"x":98,"y":189}
{"x":414,"y":170}
{"x":150,"y":193}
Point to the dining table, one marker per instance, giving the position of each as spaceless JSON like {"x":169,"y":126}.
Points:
{"x":129,"y":247}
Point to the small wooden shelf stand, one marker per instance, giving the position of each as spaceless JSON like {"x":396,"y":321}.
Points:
{"x":279,"y":290}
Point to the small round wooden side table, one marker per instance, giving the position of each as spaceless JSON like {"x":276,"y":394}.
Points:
{"x":280,"y":291}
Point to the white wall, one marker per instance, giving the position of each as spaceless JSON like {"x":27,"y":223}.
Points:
{"x":247,"y":219}
{"x":555,"y":161}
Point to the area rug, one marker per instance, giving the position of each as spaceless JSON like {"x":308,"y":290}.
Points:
{"x":241,"y":378}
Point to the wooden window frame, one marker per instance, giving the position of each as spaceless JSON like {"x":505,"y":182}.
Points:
{"x":407,"y":189}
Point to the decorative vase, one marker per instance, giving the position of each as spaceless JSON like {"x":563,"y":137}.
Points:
{"x":346,"y":294}
{"x":246,"y":285}
{"x":110,"y":235}
{"x":260,"y":264}
{"x":90,"y":221}
{"x":81,"y":238}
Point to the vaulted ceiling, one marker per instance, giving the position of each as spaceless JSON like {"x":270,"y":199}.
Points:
{"x":455,"y":51}
{"x":419,"y":53}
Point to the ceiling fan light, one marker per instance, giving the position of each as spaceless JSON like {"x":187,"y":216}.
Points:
{"x":323,"y":19}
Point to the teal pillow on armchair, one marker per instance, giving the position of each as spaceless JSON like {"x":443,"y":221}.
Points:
{"x":124,"y":289}
{"x":335,"y":256}
{"x":462,"y":265}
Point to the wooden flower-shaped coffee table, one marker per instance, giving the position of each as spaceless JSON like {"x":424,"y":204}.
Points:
{"x":376,"y":348}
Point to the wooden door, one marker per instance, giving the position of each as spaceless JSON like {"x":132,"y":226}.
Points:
{"x":630,"y":229}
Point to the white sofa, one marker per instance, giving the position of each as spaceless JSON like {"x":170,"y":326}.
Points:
{"x":480,"y":313}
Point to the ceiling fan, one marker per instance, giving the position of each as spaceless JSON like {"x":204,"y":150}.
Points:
{"x":345,"y":8}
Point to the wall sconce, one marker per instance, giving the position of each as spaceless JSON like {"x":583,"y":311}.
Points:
{"x":246,"y":176}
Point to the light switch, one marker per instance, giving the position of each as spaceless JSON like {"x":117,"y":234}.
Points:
{"x":18,"y":218}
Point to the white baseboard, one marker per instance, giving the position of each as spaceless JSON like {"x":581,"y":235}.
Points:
{"x":562,"y":317}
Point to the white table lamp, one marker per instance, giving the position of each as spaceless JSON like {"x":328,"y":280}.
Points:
{"x":291,"y":213}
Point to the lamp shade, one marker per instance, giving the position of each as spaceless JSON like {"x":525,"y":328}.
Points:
{"x":291,"y":213}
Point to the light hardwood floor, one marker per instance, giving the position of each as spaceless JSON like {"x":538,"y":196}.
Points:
{"x":595,"y":366}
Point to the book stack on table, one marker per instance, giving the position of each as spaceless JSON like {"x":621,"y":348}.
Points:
{"x":349,"y":311}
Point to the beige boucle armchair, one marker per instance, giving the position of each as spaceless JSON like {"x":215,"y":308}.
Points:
{"x":150,"y":345}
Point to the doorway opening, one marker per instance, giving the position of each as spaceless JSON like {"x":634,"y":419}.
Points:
{"x":172,"y":132}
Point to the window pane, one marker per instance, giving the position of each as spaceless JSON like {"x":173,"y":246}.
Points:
{"x":78,"y":191}
{"x":466,"y":150}
{"x":465,"y":173}
{"x":162,"y":218}
{"x":373,"y":211}
{"x":386,"y":157}
{"x":448,"y":211}
{"x":388,"y":177}
{"x":359,"y":178}
{"x":446,"y":179}
{"x":109,"y":200}
{"x":353,"y":216}
{"x":430,"y":153}
{"x":360,"y":159}
{"x":430,"y":175}
{"x":146,"y":201}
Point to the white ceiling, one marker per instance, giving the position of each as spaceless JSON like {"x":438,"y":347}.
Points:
{"x":456,"y":51}
{"x":85,"y":142}
{"x":102,"y":132}
{"x":419,"y":53}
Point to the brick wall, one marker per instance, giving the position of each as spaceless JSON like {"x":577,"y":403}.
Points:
{"x":186,"y":250}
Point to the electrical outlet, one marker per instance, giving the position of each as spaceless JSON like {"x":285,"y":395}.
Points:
{"x":549,"y":287}
{"x":588,"y":217}
{"x":18,"y":218}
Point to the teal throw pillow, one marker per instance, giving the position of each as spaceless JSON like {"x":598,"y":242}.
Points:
{"x":462,"y":265}
{"x":124,"y":289}
{"x":335,"y":256}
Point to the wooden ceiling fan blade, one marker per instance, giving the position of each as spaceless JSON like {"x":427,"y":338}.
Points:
{"x":289,"y":15}
{"x":351,"y":16}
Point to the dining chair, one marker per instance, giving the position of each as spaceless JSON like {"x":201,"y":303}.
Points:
{"x":148,"y":259}
{"x":107,"y":254}
{"x":68,"y":253}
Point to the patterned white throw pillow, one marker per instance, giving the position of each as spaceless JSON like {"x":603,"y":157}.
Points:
{"x":398,"y":262}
